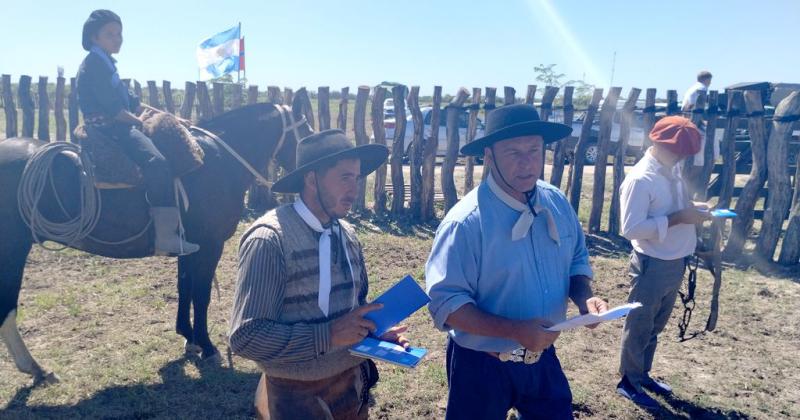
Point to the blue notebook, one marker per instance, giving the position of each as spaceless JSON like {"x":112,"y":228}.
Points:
{"x":399,"y":302}
{"x":723,"y":213}
{"x":389,"y":352}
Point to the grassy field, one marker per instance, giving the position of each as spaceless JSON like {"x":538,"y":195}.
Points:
{"x":106,"y":327}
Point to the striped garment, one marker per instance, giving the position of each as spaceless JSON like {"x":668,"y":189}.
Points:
{"x":276,"y":319}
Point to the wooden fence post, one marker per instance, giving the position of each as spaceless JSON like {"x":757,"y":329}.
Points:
{"x":137,"y":89}
{"x":203,"y":102}
{"x":58,"y":110}
{"x":429,"y":159}
{"x":274,"y":95}
{"x":169,"y":102}
{"x":790,"y":248}
{"x":710,"y":152}
{"x":545,"y":110}
{"x":324,"y":107}
{"x":415,"y":153}
{"x":603,"y":144}
{"x":379,"y":133}
{"x":188,"y":100}
{"x":626,"y":119}
{"x":236,"y":96}
{"x":10,"y":107}
{"x":252,"y":94}
{"x":288,"y":96}
{"x":360,"y":130}
{"x":152,"y":94}
{"x":72,"y":104}
{"x":758,"y":174}
{"x":509,"y":95}
{"x":672,"y":102}
{"x":576,"y":169}
{"x":44,"y":110}
{"x":341,"y":119}
{"x":454,"y":110}
{"x":305,"y":104}
{"x":472,"y":129}
{"x":26,"y":104}
{"x":727,"y":176}
{"x":693,"y":173}
{"x":219,"y":98}
{"x":530,"y":96}
{"x":398,"y":149}
{"x":488,"y":105}
{"x":648,"y":117}
{"x":558,"y":156}
{"x":780,"y":186}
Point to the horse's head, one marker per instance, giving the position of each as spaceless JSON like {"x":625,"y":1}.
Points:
{"x":295,"y":127}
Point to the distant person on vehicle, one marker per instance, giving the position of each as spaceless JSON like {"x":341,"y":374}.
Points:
{"x":690,"y":97}
{"x":659,"y":218}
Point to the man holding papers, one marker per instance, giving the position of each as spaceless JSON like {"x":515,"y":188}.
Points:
{"x":659,"y":219}
{"x":504,"y":262}
{"x":302,"y":287}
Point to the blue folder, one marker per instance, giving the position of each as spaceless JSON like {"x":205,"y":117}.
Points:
{"x":723,"y":213}
{"x":399,"y":302}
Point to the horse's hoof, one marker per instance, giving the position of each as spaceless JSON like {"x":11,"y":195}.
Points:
{"x":191,"y":349}
{"x":213,"y":360}
{"x":45,"y":379}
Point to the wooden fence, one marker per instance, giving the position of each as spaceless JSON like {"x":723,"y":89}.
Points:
{"x":768,"y":153}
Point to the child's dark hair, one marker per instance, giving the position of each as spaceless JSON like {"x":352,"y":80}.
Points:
{"x":96,"y":20}
{"x":704,"y":75}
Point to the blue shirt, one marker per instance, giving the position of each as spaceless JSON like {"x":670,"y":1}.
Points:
{"x":474,"y":260}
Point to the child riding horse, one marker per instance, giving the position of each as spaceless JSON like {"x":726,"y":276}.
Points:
{"x":107,"y":106}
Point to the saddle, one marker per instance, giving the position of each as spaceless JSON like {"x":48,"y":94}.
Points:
{"x":114,"y":170}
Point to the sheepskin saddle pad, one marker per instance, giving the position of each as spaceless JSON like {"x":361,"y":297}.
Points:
{"x":113,"y":169}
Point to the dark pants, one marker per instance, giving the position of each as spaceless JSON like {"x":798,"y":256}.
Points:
{"x":655,"y":284}
{"x":155,"y":169}
{"x":484,"y":388}
{"x":340,"y":397}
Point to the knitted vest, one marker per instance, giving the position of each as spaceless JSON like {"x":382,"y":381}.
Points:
{"x":300,"y":245}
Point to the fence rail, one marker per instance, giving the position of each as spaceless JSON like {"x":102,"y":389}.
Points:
{"x":770,"y":179}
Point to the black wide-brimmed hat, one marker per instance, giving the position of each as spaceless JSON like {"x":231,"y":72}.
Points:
{"x":326,"y":147}
{"x":96,"y":20}
{"x":510,"y":121}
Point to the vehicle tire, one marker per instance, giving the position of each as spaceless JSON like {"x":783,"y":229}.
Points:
{"x":590,"y":157}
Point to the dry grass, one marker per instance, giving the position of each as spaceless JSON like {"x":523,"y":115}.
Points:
{"x":106,"y":327}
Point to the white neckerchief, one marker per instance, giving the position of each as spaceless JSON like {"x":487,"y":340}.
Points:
{"x":325,"y":255}
{"x":525,"y":221}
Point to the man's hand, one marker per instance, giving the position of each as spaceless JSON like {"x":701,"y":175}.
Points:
{"x":532,"y":335}
{"x":689,"y":216}
{"x":594,"y":305}
{"x":353,"y":327}
{"x":395,"y":335}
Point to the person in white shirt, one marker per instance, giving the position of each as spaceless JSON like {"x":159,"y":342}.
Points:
{"x":690,"y":97}
{"x":659,"y":219}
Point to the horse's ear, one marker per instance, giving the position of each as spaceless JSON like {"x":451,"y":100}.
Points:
{"x":301,"y":106}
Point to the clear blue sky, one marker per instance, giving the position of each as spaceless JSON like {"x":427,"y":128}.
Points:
{"x":452,"y":43}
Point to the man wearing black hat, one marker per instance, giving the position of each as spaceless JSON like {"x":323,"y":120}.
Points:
{"x":504,"y":262}
{"x":302,"y":287}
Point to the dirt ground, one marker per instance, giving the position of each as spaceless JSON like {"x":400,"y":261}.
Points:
{"x":106,"y":327}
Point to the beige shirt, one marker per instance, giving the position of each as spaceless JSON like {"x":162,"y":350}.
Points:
{"x":648,"y":195}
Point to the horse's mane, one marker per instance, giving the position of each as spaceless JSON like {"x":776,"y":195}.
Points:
{"x":235,"y":117}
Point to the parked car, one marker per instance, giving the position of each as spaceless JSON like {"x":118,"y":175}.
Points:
{"x":441,"y":149}
{"x":635,"y":141}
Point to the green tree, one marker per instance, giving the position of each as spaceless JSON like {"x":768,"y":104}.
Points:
{"x":547,"y":75}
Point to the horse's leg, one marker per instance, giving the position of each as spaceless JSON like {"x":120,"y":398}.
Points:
{"x":200,"y":267}
{"x":183,"y":324}
{"x":12,"y":265}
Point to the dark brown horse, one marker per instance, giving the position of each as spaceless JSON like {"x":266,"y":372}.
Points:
{"x":216,"y":194}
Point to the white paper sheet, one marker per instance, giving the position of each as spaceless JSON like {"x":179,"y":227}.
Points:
{"x":588,"y":319}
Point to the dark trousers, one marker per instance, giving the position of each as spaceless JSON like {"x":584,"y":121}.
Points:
{"x":484,"y":388}
{"x":340,"y":397}
{"x":655,"y":284}
{"x":155,"y":169}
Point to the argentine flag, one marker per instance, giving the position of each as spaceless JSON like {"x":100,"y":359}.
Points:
{"x":219,"y":55}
